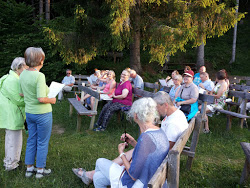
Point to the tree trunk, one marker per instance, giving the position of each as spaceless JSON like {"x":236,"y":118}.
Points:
{"x":235,"y":35}
{"x":47,"y":10}
{"x":135,"y":62}
{"x":40,"y":9}
{"x":200,"y":56}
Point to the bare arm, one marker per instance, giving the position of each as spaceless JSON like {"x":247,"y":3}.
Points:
{"x":123,"y":95}
{"x":47,"y":100}
{"x":222,"y":89}
{"x":189,"y":101}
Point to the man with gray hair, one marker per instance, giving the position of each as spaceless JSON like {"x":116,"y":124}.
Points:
{"x":68,"y":81}
{"x":174,"y":122}
{"x":136,"y":79}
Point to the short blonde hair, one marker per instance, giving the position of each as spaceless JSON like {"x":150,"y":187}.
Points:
{"x":113,"y":73}
{"x":178,"y":77}
{"x":34,"y":56}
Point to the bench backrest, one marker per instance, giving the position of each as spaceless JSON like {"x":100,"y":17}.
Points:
{"x":234,"y":80}
{"x":237,"y":94}
{"x":170,"y":167}
{"x":154,"y":86}
{"x":166,"y":89}
{"x":79,"y":79}
{"x":142,"y":93}
{"x":90,"y":91}
{"x":239,"y":87}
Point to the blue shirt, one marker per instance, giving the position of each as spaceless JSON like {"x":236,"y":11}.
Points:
{"x":208,"y":85}
{"x":197,"y":79}
{"x":151,"y":149}
{"x":138,"y":82}
{"x":173,"y":91}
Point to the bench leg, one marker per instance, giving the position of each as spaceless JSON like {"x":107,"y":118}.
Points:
{"x":229,"y":122}
{"x":245,"y":172}
{"x":195,"y":139}
{"x":92,"y":123}
{"x":119,"y":116}
{"x":79,"y":121}
{"x":241,"y":122}
{"x":70,"y":110}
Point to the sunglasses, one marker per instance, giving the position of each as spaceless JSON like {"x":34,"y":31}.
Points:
{"x":68,"y":73}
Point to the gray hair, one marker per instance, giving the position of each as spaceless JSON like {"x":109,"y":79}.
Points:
{"x":145,"y":109}
{"x":34,"y":56}
{"x":178,"y":77}
{"x":68,"y":70}
{"x":17,"y":63}
{"x":161,"y":97}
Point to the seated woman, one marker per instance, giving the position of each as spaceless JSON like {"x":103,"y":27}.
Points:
{"x":121,"y":97}
{"x":169,"y":80}
{"x":175,"y":89}
{"x":220,"y":92}
{"x":150,"y":150}
{"x":188,"y":95}
{"x":109,"y":88}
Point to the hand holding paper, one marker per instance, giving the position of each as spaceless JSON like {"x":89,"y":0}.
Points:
{"x":54,"y":89}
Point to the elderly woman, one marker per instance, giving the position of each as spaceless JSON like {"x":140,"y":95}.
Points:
{"x":188,"y":95}
{"x":175,"y":89}
{"x":121,"y":97}
{"x":38,"y":112}
{"x":149,"y":151}
{"x":220,"y":92}
{"x":12,"y":114}
{"x":169,"y":80}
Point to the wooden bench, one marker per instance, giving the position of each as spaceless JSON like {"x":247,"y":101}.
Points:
{"x":79,"y":79}
{"x":246,"y":170}
{"x":166,"y":89}
{"x":81,"y":110}
{"x":170,"y":167}
{"x":244,"y":96}
{"x":153,"y":86}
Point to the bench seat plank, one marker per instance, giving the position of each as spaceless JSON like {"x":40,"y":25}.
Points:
{"x":81,"y":110}
{"x":234,"y":114}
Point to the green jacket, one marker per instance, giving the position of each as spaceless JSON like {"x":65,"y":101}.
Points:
{"x":10,"y":115}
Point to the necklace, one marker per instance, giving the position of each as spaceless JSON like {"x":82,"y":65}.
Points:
{"x":33,"y":68}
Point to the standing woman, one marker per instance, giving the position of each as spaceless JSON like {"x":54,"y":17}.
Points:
{"x":38,"y":112}
{"x":12,"y":116}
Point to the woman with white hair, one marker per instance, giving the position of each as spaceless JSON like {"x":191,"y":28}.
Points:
{"x":149,"y":151}
{"x":177,"y":79}
{"x":12,"y":116}
{"x":38,"y":112}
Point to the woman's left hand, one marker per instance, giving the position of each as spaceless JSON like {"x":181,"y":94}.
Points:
{"x":178,"y":103}
{"x":121,"y":147}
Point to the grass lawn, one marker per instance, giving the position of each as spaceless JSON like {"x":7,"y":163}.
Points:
{"x":218,"y":162}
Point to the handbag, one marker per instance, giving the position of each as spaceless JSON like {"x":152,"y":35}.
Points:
{"x":185,"y":108}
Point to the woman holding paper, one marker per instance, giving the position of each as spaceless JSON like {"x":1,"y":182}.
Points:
{"x":38,"y":112}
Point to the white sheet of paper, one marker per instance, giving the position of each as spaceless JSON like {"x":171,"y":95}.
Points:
{"x":163,"y":82}
{"x":202,"y":91}
{"x":105,"y":97}
{"x":89,"y":79}
{"x":54,"y":89}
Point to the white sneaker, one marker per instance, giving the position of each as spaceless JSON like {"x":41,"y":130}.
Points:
{"x":28,"y":174}
{"x":45,"y":172}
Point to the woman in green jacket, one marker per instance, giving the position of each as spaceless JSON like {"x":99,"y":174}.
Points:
{"x":12,"y":114}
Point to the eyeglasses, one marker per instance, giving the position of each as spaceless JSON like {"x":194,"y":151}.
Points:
{"x":68,"y":73}
{"x":124,"y":75}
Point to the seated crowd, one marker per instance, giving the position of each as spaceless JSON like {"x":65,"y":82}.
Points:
{"x":133,"y":168}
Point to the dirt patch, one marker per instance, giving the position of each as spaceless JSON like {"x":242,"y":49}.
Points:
{"x":56,"y":129}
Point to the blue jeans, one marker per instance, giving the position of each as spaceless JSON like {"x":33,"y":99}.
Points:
{"x":101,"y":177}
{"x":39,"y":126}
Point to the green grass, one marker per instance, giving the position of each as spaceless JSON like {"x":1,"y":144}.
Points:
{"x":218,"y":162}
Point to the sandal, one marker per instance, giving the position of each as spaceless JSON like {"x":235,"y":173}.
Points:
{"x":85,"y":179}
{"x":45,"y":172}
{"x":28,"y":173}
{"x":206,"y":131}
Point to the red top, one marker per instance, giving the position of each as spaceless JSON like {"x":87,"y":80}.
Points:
{"x":127,"y":100}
